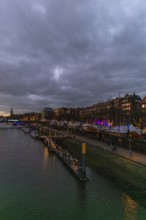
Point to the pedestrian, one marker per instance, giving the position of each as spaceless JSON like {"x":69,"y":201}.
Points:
{"x":130,"y":152}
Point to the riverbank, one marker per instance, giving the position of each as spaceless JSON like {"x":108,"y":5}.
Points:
{"x":126,"y":174}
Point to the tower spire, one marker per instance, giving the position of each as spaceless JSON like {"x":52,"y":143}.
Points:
{"x":11,"y":113}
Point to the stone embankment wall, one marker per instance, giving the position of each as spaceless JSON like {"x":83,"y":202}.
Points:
{"x":126,"y":174}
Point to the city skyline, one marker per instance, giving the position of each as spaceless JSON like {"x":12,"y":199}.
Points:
{"x":66,"y":53}
{"x":125,"y":96}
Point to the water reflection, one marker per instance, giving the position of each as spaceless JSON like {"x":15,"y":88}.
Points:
{"x":45,"y":157}
{"x":130,"y":207}
{"x":82,"y":194}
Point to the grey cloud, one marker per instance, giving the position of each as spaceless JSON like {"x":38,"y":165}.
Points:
{"x":77,"y":53}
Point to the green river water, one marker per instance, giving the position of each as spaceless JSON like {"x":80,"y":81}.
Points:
{"x":35,"y":185}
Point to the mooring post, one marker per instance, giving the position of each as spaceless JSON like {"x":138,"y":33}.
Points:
{"x":84,"y":158}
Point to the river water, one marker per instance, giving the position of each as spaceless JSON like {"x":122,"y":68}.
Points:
{"x":35,"y":185}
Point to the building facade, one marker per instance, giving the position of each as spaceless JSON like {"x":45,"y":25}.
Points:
{"x":119,"y":111}
{"x":142,"y":121}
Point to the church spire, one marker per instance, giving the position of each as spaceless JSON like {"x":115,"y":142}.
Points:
{"x":11,"y":113}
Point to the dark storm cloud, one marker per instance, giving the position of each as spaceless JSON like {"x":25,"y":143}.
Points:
{"x":70,"y":53}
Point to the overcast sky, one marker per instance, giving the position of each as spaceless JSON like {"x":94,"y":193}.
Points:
{"x":73,"y":53}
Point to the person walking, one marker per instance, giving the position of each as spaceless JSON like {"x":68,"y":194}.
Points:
{"x":130,"y":152}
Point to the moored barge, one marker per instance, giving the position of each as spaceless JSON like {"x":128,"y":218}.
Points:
{"x":72,"y":164}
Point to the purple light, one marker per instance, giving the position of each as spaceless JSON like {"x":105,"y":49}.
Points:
{"x":101,"y":122}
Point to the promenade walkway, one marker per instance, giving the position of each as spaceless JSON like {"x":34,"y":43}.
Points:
{"x":135,"y":156}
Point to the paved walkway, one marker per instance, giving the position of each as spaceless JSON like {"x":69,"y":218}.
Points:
{"x":137,"y":157}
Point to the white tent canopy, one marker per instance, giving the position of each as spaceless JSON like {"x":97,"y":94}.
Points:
{"x":125,"y":129}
